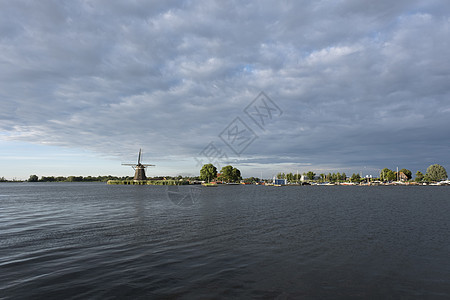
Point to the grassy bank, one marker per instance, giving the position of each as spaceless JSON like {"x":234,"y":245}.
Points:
{"x":147,"y":182}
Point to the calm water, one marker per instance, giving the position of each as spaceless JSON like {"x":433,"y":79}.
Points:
{"x":79,"y":241}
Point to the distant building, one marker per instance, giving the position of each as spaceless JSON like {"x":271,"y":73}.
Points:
{"x":280,"y":181}
{"x":402,"y":177}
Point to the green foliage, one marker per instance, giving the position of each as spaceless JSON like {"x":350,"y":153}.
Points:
{"x":33,"y":178}
{"x":311,"y":175}
{"x":47,"y":179}
{"x":226,"y":173}
{"x":236,"y":175}
{"x":148,"y":182}
{"x":80,"y":178}
{"x":281,"y":176}
{"x":387,"y":175}
{"x":419,"y":176}
{"x":252,"y":180}
{"x":355,"y":178}
{"x":75,"y":178}
{"x":290,"y":177}
{"x":3,"y":179}
{"x":208,"y":172}
{"x":322,"y":177}
{"x":166,"y":182}
{"x":436,"y":173}
{"x":230,"y":174}
{"x":334,"y":177}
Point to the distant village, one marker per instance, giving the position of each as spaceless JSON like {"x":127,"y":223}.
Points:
{"x":209,"y":176}
{"x":435,"y":175}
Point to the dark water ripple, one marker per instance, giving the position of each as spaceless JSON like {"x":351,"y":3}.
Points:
{"x":95,"y":241}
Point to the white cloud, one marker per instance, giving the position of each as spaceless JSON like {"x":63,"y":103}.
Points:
{"x":330,"y":54}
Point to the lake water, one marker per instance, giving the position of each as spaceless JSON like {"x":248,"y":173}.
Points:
{"x":90,"y":240}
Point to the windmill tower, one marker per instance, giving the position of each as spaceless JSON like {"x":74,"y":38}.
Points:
{"x":139,"y":169}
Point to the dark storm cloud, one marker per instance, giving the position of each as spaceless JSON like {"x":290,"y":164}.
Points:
{"x":360,"y":83}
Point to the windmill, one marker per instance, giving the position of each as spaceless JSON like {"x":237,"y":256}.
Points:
{"x":139,"y":169}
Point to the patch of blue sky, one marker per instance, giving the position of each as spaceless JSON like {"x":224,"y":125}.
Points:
{"x":52,"y":161}
{"x":248,"y":68}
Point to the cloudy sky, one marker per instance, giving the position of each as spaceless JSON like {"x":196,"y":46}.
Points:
{"x":348,"y":85}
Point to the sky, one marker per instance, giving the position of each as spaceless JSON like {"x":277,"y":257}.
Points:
{"x":266,"y":86}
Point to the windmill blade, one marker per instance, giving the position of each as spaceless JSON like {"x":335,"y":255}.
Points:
{"x":128,"y":164}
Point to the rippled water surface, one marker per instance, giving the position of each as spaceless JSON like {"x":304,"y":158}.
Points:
{"x":81,"y":240}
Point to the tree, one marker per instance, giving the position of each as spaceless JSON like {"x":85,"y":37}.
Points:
{"x":33,"y":178}
{"x":208,"y":172}
{"x":311,"y":175}
{"x":47,"y":178}
{"x":230,"y":174}
{"x":226,"y":173}
{"x":387,"y":175}
{"x":407,"y":172}
{"x":344,"y":176}
{"x":280,"y":175}
{"x":73,"y":178}
{"x":419,"y":176}
{"x":355,"y":178}
{"x":252,"y":179}
{"x":322,"y":177}
{"x":235,"y":175}
{"x":290,"y":177}
{"x":391,"y":175}
{"x":436,"y":173}
{"x":333,"y":177}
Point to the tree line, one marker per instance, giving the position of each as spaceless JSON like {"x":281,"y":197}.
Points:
{"x":434,"y":172}
{"x":228,"y":174}
{"x":311,"y":176}
{"x":35,"y":178}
